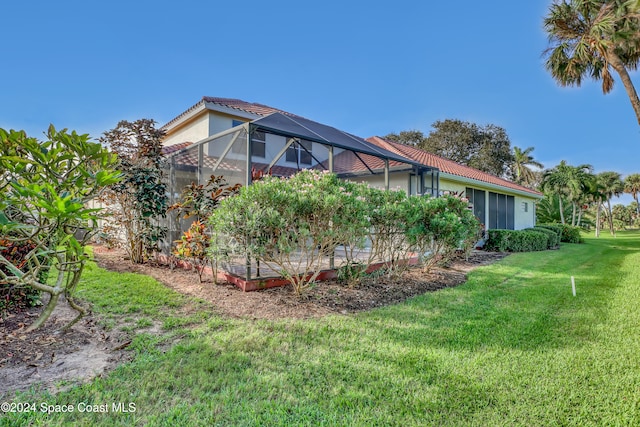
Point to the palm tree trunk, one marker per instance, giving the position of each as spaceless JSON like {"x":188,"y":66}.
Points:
{"x":561,"y":209}
{"x":611,"y":229}
{"x":579,"y":217}
{"x":573,"y":214}
{"x":617,"y":65}
{"x":598,"y":217}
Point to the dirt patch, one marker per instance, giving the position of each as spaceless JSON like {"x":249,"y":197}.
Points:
{"x":45,"y":358}
{"x":48,"y":357}
{"x":324,"y":298}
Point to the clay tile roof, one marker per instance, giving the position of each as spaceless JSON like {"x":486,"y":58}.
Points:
{"x":170,"y":149}
{"x":447,"y":166}
{"x":237,"y":104}
{"x":249,"y":107}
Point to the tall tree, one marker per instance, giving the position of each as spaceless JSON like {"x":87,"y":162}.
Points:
{"x":44,"y":189}
{"x":632,"y":186}
{"x":486,"y":148}
{"x":611,"y":185}
{"x":139,"y":201}
{"x":588,"y":38}
{"x":570,"y":183}
{"x":520,"y":170}
{"x":414,"y":138}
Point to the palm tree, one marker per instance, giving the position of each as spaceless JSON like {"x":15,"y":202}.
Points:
{"x":632,"y":186}
{"x":569,"y":182}
{"x":610,"y":185}
{"x":520,"y":166}
{"x":588,"y":38}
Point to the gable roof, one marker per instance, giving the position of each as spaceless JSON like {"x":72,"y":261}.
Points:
{"x":450,"y":167}
{"x":251,"y":110}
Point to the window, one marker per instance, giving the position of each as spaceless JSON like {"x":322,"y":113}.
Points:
{"x":300,"y":153}
{"x":430,"y":183}
{"x":501,"y":211}
{"x":525,"y":206}
{"x":235,"y":123}
{"x":477,"y":199}
{"x":258,"y":145}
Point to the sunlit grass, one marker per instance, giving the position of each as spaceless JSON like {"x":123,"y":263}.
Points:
{"x":512,"y":346}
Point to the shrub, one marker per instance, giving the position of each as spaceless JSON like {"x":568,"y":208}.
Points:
{"x":12,"y":296}
{"x":439,"y":227}
{"x":138,"y":202}
{"x":517,"y":240}
{"x":571,"y":234}
{"x":554,"y":237}
{"x":555,"y":227}
{"x":200,"y":201}
{"x":194,"y":246}
{"x":568,"y":233}
{"x":387,"y":223}
{"x":292,"y":225}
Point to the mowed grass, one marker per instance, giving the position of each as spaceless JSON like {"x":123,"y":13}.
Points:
{"x":512,"y":346}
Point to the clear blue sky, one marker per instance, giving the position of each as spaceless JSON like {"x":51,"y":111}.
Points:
{"x":369,"y":68}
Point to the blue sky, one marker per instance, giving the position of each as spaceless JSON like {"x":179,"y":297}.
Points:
{"x":369,"y":68}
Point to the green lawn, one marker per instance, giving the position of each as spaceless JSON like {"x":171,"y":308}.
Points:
{"x":510,"y":347}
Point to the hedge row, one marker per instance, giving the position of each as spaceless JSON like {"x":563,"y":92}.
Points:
{"x":553,"y":235}
{"x":568,"y":233}
{"x":517,"y":240}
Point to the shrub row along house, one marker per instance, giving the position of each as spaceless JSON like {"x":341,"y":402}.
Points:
{"x":243,"y":141}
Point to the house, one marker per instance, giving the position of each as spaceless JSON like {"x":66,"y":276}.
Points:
{"x":497,"y":202}
{"x":239,"y":139}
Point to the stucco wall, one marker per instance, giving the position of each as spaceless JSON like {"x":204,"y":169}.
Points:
{"x":194,"y":131}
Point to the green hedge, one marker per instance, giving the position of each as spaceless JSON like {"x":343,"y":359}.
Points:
{"x":569,"y":234}
{"x":517,"y":240}
{"x":554,"y":236}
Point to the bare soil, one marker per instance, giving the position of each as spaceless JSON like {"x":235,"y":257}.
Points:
{"x":46,"y":357}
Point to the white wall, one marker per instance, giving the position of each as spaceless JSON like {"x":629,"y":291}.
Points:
{"x":524,"y":219}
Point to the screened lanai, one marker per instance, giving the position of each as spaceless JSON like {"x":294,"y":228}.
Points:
{"x":281,"y":145}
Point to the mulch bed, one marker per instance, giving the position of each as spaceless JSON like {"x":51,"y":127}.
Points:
{"x":322,"y":299}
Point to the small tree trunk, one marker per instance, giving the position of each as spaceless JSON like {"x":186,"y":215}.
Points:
{"x":48,"y":309}
{"x":561,"y":209}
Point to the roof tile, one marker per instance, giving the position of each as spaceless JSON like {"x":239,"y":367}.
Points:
{"x":446,"y":165}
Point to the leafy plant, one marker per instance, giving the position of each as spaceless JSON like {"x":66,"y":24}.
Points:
{"x":139,"y":201}
{"x":44,"y":189}
{"x":194,"y":246}
{"x":12,"y":297}
{"x":439,"y":227}
{"x":286,"y":224}
{"x":200,"y":200}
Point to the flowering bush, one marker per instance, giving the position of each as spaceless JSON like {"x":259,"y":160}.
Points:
{"x":292,"y":225}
